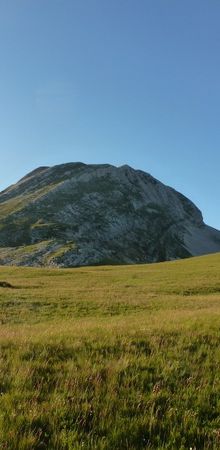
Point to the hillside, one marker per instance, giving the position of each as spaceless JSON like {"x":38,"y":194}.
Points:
{"x":111,"y":357}
{"x":76,"y":214}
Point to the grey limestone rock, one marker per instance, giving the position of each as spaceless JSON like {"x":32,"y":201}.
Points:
{"x":76,"y":214}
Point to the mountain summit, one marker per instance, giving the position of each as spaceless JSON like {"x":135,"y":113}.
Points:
{"x":76,"y":214}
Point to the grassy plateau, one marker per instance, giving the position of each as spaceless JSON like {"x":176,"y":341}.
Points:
{"x":111,"y":357}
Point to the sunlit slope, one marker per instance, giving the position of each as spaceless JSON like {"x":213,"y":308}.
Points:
{"x":112,"y":357}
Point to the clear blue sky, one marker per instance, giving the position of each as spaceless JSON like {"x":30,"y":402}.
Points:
{"x":118,"y":81}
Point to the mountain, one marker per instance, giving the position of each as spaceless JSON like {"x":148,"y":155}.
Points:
{"x":76,"y":214}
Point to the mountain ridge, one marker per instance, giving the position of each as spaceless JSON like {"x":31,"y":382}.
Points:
{"x":76,"y":214}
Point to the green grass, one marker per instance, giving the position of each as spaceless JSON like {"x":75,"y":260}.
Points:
{"x":111,"y":357}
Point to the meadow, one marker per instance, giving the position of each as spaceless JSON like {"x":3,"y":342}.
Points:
{"x":111,"y":357}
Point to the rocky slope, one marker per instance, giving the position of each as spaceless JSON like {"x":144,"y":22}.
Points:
{"x":76,"y":214}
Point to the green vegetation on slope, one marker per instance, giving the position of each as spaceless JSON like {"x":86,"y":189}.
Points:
{"x":28,"y":254}
{"x":111,"y":357}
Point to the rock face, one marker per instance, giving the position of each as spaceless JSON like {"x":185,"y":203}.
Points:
{"x":76,"y":214}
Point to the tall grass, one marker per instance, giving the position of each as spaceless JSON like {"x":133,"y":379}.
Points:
{"x":111,"y":357}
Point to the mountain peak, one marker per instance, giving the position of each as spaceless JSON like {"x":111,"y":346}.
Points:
{"x":75,"y":214}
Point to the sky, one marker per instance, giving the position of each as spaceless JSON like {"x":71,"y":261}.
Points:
{"x":132,"y":82}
